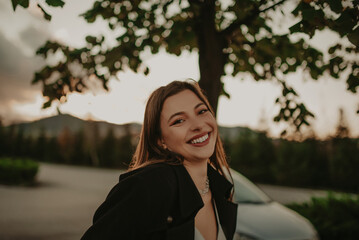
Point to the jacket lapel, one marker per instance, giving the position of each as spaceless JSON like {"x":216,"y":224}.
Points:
{"x":227,"y":210}
{"x":190,"y":201}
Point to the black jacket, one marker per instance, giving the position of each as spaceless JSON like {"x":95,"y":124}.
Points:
{"x":157,"y":202}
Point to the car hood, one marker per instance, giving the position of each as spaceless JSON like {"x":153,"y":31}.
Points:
{"x":272,"y":221}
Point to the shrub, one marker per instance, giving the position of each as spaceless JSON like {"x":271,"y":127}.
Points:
{"x":301,"y":164}
{"x":343,"y":161}
{"x":253,"y":154}
{"x":20,"y":171}
{"x":334,"y":217}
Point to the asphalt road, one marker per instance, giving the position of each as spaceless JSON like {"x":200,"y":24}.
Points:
{"x":61,"y":206}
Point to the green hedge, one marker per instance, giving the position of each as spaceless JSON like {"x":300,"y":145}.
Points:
{"x":334,"y":217}
{"x":19,"y":171}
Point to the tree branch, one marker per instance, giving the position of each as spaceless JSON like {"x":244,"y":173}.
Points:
{"x":195,"y":1}
{"x":249,"y":18}
{"x":273,"y":6}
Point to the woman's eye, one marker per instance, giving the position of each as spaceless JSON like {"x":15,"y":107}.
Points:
{"x":178,"y":121}
{"x":203,"y":111}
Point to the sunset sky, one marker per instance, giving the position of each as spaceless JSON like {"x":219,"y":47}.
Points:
{"x":22,"y":32}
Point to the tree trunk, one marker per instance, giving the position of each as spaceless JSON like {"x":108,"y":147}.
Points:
{"x":211,"y":56}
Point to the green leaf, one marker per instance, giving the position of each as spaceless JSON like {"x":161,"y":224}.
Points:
{"x":335,"y":5}
{"x":334,"y":48}
{"x":22,"y":3}
{"x":91,"y":39}
{"x":298,"y":9}
{"x":55,"y":3}
{"x":309,"y":14}
{"x":46,"y":15}
{"x":353,"y":37}
{"x":296,"y":27}
{"x":146,"y":72}
{"x":90,"y":15}
{"x":353,"y":83}
{"x":346,"y":22}
{"x":47,"y":104}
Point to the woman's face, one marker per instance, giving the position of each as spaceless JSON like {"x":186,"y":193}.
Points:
{"x":188,"y":127}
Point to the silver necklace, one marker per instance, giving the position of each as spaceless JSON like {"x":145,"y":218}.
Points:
{"x":205,"y":190}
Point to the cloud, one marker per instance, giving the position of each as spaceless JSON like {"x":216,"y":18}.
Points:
{"x":16,"y":68}
{"x":9,"y":55}
{"x":16,"y":72}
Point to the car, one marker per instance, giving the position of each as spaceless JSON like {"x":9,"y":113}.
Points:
{"x":260,"y":218}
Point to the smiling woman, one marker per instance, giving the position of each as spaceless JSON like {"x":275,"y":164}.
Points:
{"x":188,"y":127}
{"x":176,"y":186}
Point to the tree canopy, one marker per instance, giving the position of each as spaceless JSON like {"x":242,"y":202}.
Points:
{"x":237,"y":35}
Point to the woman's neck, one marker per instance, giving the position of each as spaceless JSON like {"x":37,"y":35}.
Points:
{"x":198,"y":172}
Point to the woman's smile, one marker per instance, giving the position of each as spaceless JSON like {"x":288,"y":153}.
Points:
{"x":200,"y":140}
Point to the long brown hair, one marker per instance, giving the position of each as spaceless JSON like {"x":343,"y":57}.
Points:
{"x":148,"y":150}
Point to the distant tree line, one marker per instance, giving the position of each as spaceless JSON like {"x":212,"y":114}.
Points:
{"x":332,"y":163}
{"x":84,"y":147}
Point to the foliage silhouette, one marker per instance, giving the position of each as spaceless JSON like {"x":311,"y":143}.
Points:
{"x":242,"y":37}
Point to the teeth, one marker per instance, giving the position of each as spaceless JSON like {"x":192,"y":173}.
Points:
{"x":201,"y":139}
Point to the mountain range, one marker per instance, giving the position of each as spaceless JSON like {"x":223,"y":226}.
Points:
{"x":54,"y":125}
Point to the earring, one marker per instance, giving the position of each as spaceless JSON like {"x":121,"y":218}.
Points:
{"x":164,"y":146}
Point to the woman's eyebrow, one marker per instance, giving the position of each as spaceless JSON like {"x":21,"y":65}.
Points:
{"x":198,"y":105}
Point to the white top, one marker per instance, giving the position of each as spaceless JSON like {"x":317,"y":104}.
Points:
{"x":220,"y":235}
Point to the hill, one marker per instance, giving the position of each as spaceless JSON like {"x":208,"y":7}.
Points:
{"x":54,"y":125}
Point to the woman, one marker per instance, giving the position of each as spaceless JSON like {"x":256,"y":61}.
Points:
{"x":176,"y":186}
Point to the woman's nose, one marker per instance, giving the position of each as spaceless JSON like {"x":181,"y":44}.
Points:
{"x":196,"y":124}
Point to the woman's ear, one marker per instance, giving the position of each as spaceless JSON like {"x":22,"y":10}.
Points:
{"x":161,"y":143}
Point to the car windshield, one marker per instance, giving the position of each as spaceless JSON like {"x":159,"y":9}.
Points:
{"x":246,"y":192}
